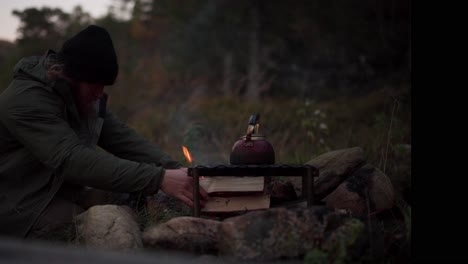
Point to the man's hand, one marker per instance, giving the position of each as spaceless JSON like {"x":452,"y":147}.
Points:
{"x":178,"y":184}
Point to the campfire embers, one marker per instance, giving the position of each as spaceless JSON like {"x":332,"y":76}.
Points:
{"x":308,"y":172}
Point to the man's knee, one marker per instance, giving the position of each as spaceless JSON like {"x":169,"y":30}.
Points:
{"x":57,"y":221}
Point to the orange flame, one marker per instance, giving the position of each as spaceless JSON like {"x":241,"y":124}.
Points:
{"x":187,"y":154}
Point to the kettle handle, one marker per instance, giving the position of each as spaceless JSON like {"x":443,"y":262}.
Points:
{"x":252,"y":126}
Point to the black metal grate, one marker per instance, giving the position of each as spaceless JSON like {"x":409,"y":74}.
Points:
{"x":253,"y":170}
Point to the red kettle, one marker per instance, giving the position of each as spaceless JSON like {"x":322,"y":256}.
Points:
{"x":253,"y":148}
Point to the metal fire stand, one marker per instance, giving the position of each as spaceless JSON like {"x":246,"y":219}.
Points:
{"x":308,"y":172}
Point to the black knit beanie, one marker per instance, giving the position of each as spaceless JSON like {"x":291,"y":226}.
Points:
{"x":89,"y":56}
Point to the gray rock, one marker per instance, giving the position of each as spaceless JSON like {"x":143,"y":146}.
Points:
{"x":343,"y":198}
{"x":367,"y":190}
{"x":109,"y":227}
{"x":340,"y":243}
{"x":276,"y":233}
{"x":334,"y":167}
{"x":381,"y":191}
{"x":186,"y":233}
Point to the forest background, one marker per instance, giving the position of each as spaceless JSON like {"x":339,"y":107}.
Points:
{"x":323,"y":75}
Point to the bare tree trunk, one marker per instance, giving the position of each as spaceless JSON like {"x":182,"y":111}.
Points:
{"x":227,"y":88}
{"x":409,"y":56}
{"x":253,"y":82}
{"x":409,"y":37}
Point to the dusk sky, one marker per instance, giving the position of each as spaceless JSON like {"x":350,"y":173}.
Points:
{"x":9,"y":23}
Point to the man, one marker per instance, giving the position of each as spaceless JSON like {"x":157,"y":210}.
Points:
{"x":52,"y":117}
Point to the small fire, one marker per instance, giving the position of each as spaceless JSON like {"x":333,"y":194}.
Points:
{"x":187,"y":154}
{"x":189,"y":158}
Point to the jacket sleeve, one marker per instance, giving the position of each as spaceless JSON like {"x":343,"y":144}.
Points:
{"x":35,"y":118}
{"x":119,"y":139}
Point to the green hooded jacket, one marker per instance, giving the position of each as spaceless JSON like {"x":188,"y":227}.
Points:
{"x":44,"y":142}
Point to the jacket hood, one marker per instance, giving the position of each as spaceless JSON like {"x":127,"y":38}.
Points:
{"x":34,"y":68}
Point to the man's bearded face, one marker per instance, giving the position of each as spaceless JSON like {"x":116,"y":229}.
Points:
{"x":86,"y":94}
